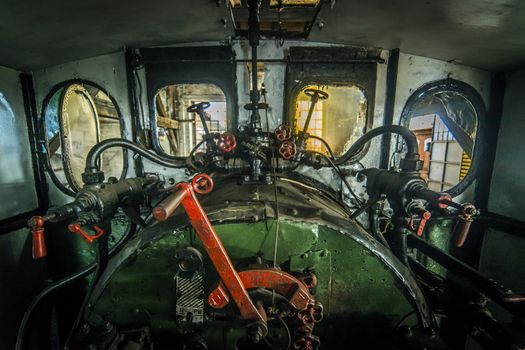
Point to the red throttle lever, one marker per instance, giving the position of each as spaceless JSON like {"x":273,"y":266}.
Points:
{"x":39,"y":244}
{"x":76,"y":228}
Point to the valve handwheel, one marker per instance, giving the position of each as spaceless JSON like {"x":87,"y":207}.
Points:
{"x":198,"y":107}
{"x":318,"y":94}
{"x":283,"y":132}
{"x":202,"y":183}
{"x":227,"y":142}
{"x":287,"y":150}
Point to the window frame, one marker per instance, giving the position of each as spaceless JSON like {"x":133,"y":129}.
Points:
{"x":300,"y":86}
{"x":153,"y":113}
{"x":183,"y":65}
{"x":470,"y":94}
{"x":43,"y":131}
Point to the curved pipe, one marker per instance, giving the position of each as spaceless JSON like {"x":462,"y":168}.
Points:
{"x":96,"y":151}
{"x":405,"y":133}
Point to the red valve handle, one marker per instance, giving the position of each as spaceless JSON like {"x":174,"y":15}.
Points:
{"x":76,"y":228}
{"x":227,"y":142}
{"x":283,"y":132}
{"x":424,"y":218}
{"x":202,"y":183}
{"x":287,"y":150}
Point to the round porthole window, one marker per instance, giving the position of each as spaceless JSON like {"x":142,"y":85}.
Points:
{"x":78,"y":116}
{"x":445,"y":116}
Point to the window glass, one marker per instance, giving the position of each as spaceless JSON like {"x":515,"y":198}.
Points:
{"x":77,"y":117}
{"x":445,"y":124}
{"x":340,"y":120}
{"x":179,"y":131}
{"x":16,"y":176}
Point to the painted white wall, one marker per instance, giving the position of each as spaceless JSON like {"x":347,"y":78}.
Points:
{"x":415,"y":71}
{"x":107,"y":71}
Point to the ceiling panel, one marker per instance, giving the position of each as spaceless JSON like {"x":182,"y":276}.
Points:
{"x":36,"y":33}
{"x":488,"y":34}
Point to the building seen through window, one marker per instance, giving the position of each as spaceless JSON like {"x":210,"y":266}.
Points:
{"x":178,"y":130}
{"x":445,"y":125}
{"x":340,"y":119}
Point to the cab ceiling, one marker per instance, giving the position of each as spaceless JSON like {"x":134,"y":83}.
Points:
{"x":488,"y":34}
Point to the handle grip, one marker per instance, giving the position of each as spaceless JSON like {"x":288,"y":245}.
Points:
{"x":168,"y":206}
{"x":201,"y":184}
{"x":461,"y":230}
{"x":39,"y":244}
{"x":198,"y":107}
{"x":77,"y":228}
{"x":318,"y":94}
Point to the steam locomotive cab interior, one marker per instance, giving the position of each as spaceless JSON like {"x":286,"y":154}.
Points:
{"x":262,"y":174}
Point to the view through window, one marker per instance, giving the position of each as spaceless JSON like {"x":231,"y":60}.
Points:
{"x":77,"y":117}
{"x":340,"y":119}
{"x":445,"y":125}
{"x":180,"y":131}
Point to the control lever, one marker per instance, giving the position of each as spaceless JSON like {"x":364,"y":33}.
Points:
{"x":443,"y":201}
{"x":315,"y":96}
{"x":185,"y":195}
{"x":416,"y":209}
{"x":37,"y":228}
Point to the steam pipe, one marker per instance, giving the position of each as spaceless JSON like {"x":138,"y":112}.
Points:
{"x":96,"y":151}
{"x":406,"y":134}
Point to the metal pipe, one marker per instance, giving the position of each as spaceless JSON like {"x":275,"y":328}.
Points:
{"x":272,"y":60}
{"x":96,"y":151}
{"x":408,"y":136}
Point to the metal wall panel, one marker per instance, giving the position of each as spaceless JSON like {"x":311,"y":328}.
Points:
{"x":17,"y":184}
{"x":507,"y":190}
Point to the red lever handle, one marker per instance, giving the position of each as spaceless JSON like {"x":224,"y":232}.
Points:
{"x":201,"y":184}
{"x":424,"y":218}
{"x":39,"y":244}
{"x":76,"y":228}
